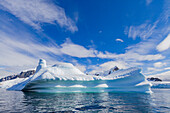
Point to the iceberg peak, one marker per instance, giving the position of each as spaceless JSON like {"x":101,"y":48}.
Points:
{"x":41,"y":64}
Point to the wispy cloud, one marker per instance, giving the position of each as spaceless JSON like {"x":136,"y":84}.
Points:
{"x":37,"y":12}
{"x":131,"y":56}
{"x":143,"y":31}
{"x":159,"y":64}
{"x":144,"y":47}
{"x":153,"y":70}
{"x":19,"y":51}
{"x":16,"y":52}
{"x":164,"y":45}
{"x":149,"y":30}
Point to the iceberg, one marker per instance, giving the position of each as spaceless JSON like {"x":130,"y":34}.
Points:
{"x":164,"y":84}
{"x":64,"y":77}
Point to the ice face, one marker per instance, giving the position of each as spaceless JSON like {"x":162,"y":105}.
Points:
{"x":71,"y":79}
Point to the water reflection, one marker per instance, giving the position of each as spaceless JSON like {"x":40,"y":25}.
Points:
{"x":108,"y":102}
{"x":17,"y":101}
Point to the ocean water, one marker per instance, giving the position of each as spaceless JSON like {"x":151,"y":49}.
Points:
{"x":18,"y":101}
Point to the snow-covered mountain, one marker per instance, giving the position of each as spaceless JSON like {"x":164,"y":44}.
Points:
{"x":23,"y":74}
{"x":165,"y":76}
{"x":64,"y":77}
{"x":165,"y":80}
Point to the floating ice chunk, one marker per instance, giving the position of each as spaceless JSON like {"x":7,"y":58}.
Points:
{"x":102,"y":85}
{"x":81,"y":86}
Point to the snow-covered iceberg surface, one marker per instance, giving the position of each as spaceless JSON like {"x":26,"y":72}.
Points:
{"x":64,"y":77}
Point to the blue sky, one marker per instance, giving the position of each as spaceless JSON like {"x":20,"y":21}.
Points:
{"x":94,"y":35}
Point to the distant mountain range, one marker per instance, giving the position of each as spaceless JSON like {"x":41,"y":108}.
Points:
{"x":21,"y":75}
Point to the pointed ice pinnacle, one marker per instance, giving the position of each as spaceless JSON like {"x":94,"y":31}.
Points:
{"x":41,"y":64}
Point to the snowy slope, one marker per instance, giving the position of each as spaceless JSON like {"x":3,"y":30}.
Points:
{"x":64,"y":77}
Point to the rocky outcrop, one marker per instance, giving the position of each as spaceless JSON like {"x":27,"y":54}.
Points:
{"x":153,"y":79}
{"x":113,"y":70}
{"x":108,"y":72}
{"x":21,"y":75}
{"x":26,"y":74}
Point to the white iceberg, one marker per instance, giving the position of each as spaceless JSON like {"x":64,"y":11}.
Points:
{"x":64,"y":77}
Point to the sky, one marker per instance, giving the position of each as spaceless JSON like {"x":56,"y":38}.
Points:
{"x":93,"y":35}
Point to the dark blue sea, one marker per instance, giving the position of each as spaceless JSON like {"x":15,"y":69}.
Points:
{"x":26,"y":102}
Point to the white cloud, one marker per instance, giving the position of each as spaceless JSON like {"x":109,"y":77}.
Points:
{"x":119,"y":40}
{"x":159,"y":64}
{"x":130,"y":56}
{"x":143,"y":47}
{"x":139,"y":57}
{"x":35,"y":12}
{"x":164,"y":45}
{"x":152,"y":69}
{"x":155,"y":70}
{"x":167,"y":68}
{"x":76,"y":50}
